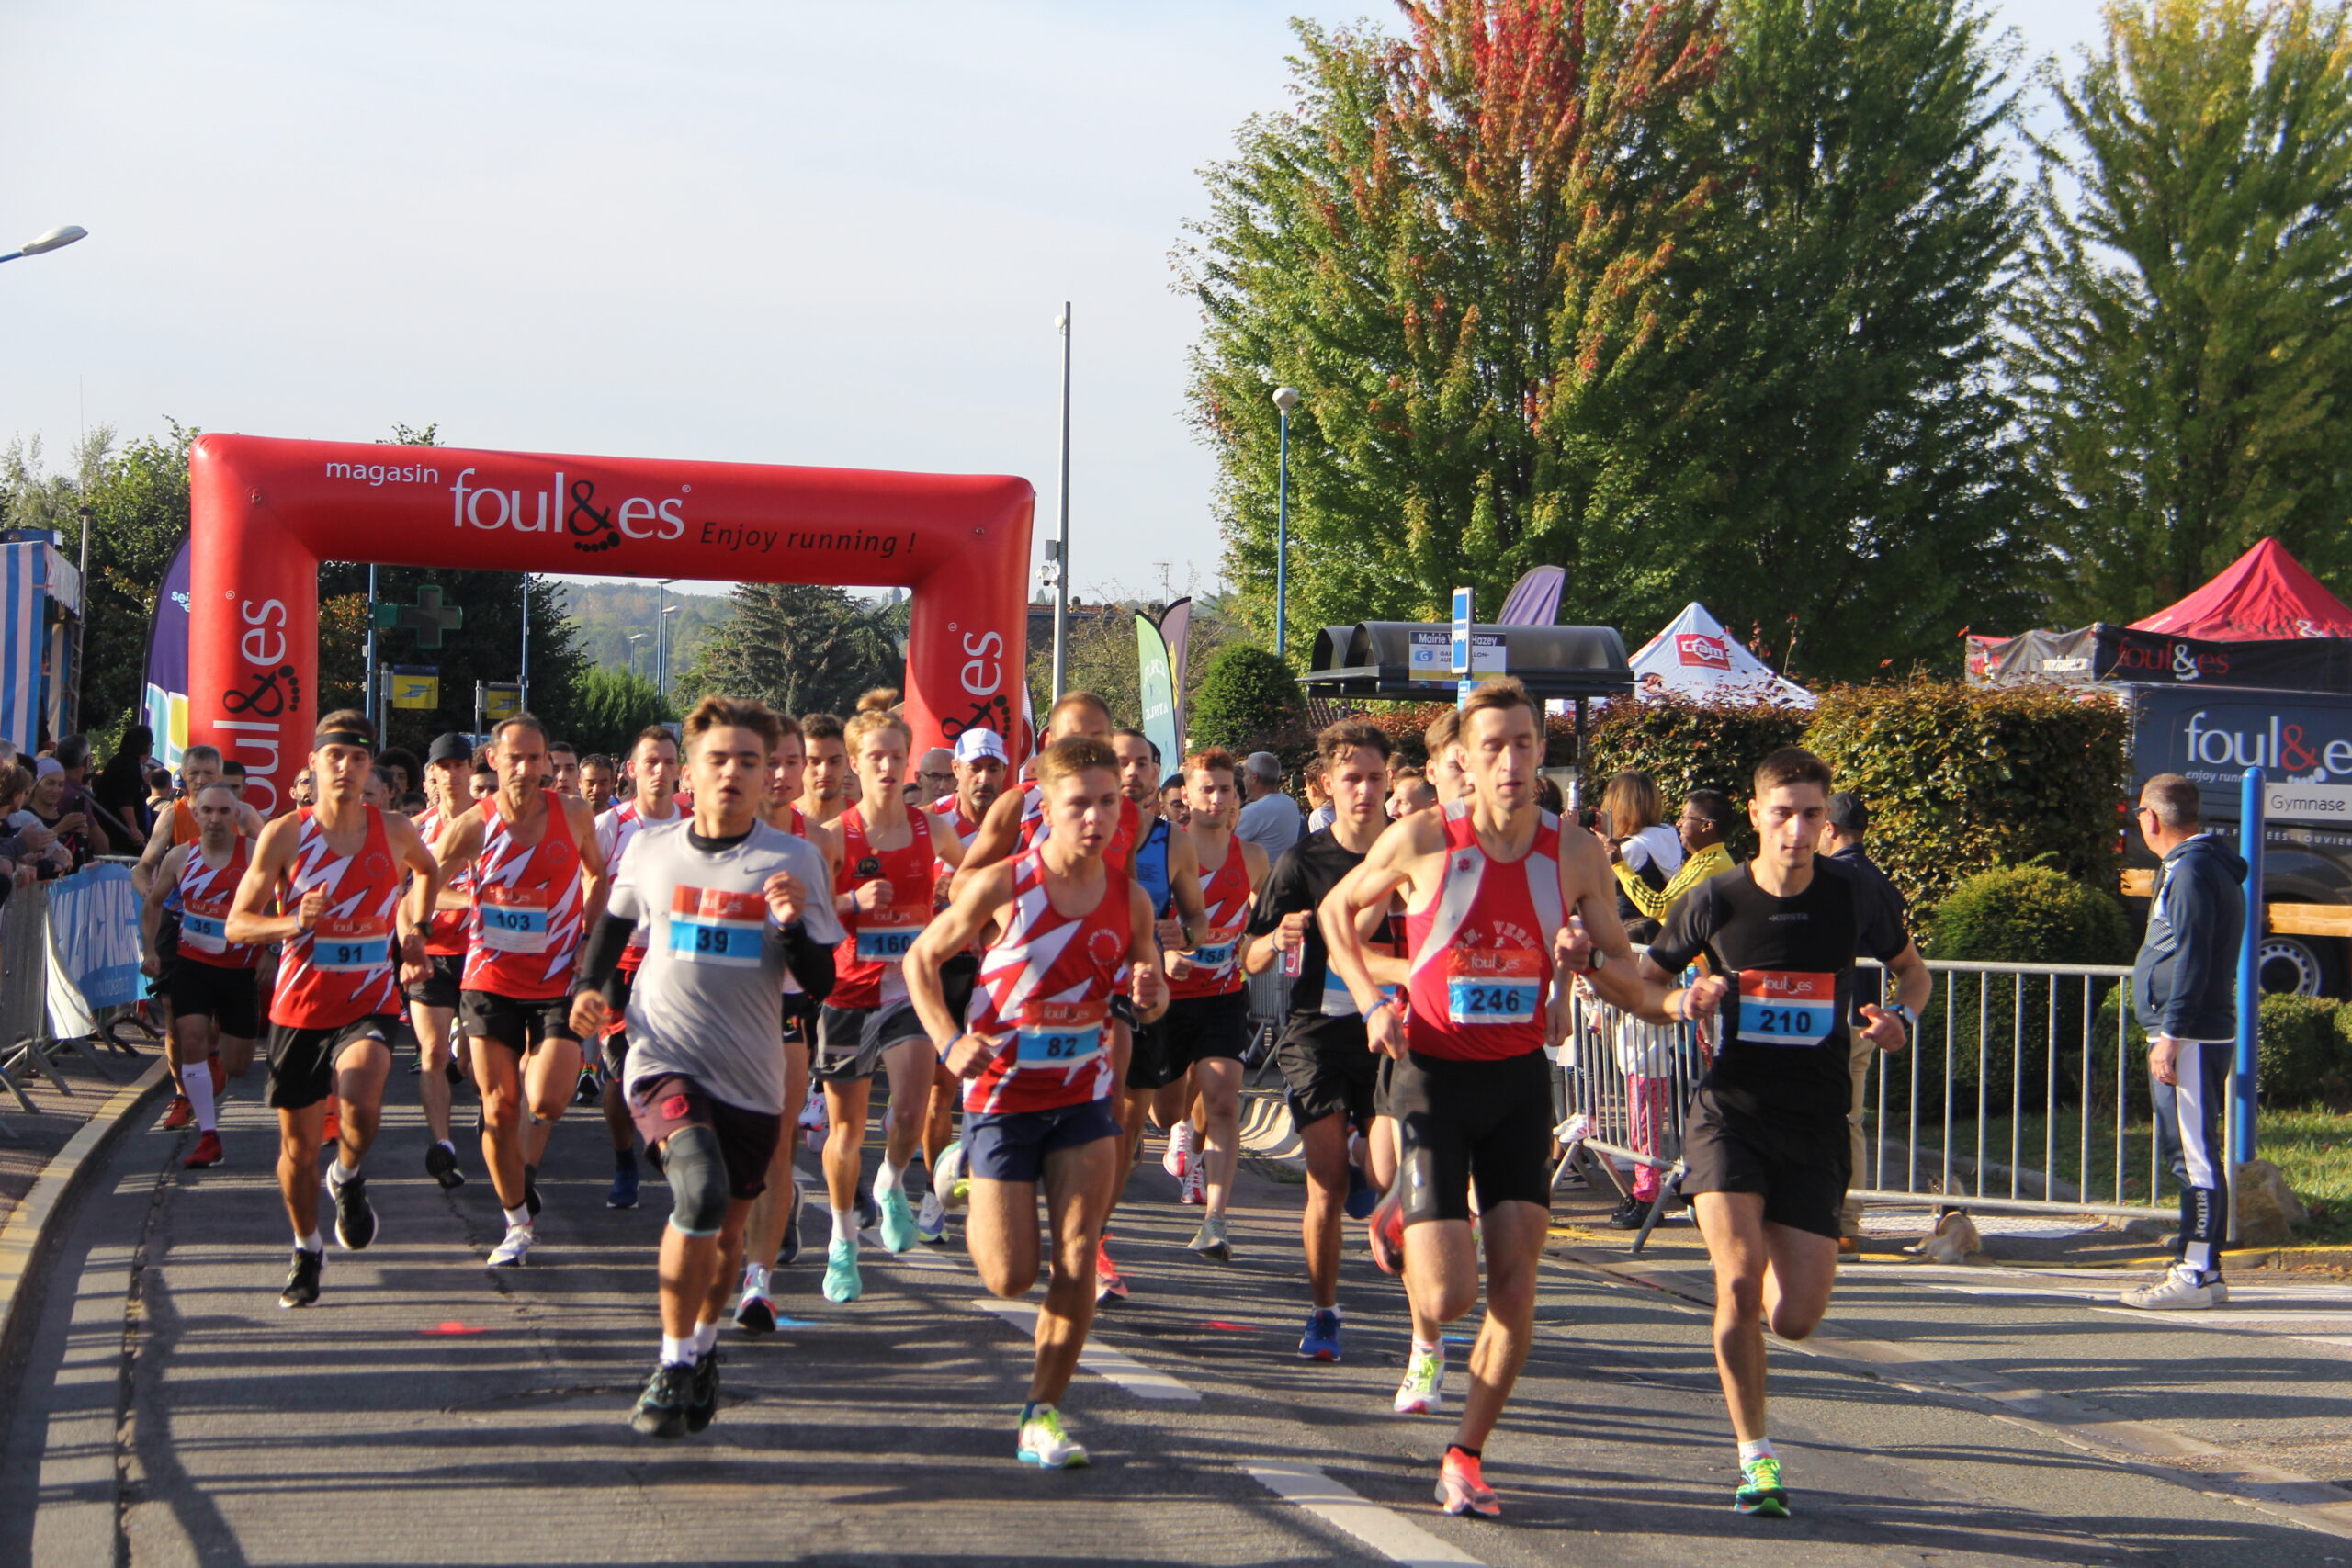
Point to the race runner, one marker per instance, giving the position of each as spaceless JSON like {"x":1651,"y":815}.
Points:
{"x":772,"y":1234}
{"x":209,"y":979}
{"x":1207,"y":1026}
{"x":1328,"y":1070}
{"x":538,"y":883}
{"x":882,"y":891}
{"x":336,"y":865}
{"x":1472,"y":1086}
{"x":1037,"y":1109}
{"x":1766,"y":1138}
{"x":825,"y":782}
{"x":200,"y":767}
{"x":654,"y":772}
{"x":730,"y":904}
{"x":433,"y":1001}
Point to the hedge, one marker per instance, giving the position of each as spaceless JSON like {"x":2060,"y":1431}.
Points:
{"x":2302,"y":1051}
{"x":1688,"y":745}
{"x":1248,"y":702}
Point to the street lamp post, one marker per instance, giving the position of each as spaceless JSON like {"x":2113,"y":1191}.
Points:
{"x":634,"y":638}
{"x":666,"y":640}
{"x":55,"y":239}
{"x":1286,"y":399}
{"x":1061,"y":547}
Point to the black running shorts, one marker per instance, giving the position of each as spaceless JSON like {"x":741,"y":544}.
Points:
{"x":439,"y":987}
{"x":228,"y":997}
{"x":1459,"y":1123}
{"x":1200,"y":1028}
{"x":514,"y":1022}
{"x":747,"y":1139}
{"x":1801,"y":1170}
{"x":301,"y":1061}
{"x":1328,"y":1069}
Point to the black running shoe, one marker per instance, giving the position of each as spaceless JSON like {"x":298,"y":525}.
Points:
{"x":662,"y":1409}
{"x":702,"y":1391}
{"x":442,"y":1166}
{"x":1630,"y":1215}
{"x":531,"y":1189}
{"x":355,"y":1217}
{"x":790,"y":1251}
{"x":453,"y":1075}
{"x":303,"y":1280}
{"x":869,"y":1214}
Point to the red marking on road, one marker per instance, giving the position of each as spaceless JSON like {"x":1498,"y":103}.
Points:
{"x":1228,"y":1327}
{"x":452,"y":1328}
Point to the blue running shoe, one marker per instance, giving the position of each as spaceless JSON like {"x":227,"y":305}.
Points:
{"x":624,"y":1193}
{"x":1321,"y":1340}
{"x":1363,"y":1196}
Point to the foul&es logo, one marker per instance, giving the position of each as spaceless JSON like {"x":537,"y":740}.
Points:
{"x":265,"y":700}
{"x":591,"y":530}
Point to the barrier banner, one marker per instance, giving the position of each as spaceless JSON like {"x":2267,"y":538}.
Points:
{"x":92,"y":947}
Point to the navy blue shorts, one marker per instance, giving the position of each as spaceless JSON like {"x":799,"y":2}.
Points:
{"x":1011,"y":1145}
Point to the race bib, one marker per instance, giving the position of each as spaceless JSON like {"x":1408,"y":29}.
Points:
{"x":1215,"y":956}
{"x":1493,"y":985}
{"x":354,"y":952}
{"x":1059,"y":1034}
{"x":887,"y":945}
{"x":1340,"y":1002}
{"x":204,"y":933}
{"x":710,"y":925}
{"x":1779,"y":1007}
{"x":514,"y":920}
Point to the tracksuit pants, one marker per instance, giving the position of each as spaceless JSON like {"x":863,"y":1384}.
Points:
{"x":2189,"y":1140}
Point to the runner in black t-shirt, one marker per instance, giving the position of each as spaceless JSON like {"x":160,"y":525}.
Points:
{"x":1766,"y":1140}
{"x":1329,"y":1067}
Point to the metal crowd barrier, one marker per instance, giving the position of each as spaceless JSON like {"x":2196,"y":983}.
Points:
{"x":2014,"y":1043}
{"x":28,"y":1038}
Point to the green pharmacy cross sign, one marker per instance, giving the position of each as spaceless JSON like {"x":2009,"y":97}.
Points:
{"x":428,"y":617}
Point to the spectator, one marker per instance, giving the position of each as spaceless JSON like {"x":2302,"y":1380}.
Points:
{"x":121,"y":786}
{"x":404,"y":764}
{"x":1706,"y":820}
{"x":1641,"y":846}
{"x":1172,"y":803}
{"x":159,"y":793}
{"x":2184,"y":989}
{"x":74,"y":797}
{"x":46,"y":809}
{"x":1646,"y":853}
{"x":1410,"y":790}
{"x":1320,"y":813}
{"x":30,"y":849}
{"x":1548,"y":797}
{"x":1271,"y":821}
{"x":1841,"y":839}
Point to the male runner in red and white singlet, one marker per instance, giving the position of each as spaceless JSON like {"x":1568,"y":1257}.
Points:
{"x":1073,"y":931}
{"x":344,"y":948}
{"x":433,"y":1001}
{"x":209,"y":980}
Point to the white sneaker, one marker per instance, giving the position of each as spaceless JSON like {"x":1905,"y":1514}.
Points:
{"x":1179,"y":1158}
{"x":1424,"y":1390}
{"x":512,"y":1252}
{"x":931,"y":1220}
{"x":2178,"y":1290}
{"x":1192,"y":1187}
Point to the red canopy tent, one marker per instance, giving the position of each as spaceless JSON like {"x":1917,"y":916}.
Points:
{"x":2265,"y":595}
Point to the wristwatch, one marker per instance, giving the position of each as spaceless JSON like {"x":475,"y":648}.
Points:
{"x":1910,"y":1019}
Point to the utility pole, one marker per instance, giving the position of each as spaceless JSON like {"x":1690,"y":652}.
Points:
{"x":1062,"y":546}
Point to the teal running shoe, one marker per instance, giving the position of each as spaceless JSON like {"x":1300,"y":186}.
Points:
{"x":1760,"y":1491}
{"x":897,"y":1222}
{"x":842,"y":1282}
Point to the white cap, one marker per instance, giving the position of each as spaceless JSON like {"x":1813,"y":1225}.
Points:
{"x":975,"y":744}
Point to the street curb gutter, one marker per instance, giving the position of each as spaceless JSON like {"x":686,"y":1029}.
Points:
{"x":2142,"y":1445}
{"x":23,"y":1240}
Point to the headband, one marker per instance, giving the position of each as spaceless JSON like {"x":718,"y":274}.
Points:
{"x":341,"y":738}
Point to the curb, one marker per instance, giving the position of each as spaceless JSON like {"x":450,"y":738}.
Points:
{"x":22,"y":1240}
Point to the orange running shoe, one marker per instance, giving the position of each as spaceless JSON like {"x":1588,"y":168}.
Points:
{"x":1462,"y":1490}
{"x":219,"y":1077}
{"x":206,"y":1152}
{"x":1387,"y":1229}
{"x":334,"y":1134}
{"x":1108,"y":1283}
{"x":181,"y":1114}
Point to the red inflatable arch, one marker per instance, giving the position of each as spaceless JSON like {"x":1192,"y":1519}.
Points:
{"x":264,"y":514}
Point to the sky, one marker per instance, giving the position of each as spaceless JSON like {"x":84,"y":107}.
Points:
{"x":780,"y":232}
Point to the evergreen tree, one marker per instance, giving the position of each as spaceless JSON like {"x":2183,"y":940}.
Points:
{"x":799,"y":648}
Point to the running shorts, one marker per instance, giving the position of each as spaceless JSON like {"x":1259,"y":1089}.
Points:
{"x":662,"y":1104}
{"x":851,"y":1041}
{"x":301,"y":1061}
{"x":228,"y":997}
{"x":1197,"y":1029}
{"x":1011,"y":1145}
{"x":439,"y":987}
{"x":1464,"y":1121}
{"x":1328,"y":1069}
{"x":1801,"y":1170}
{"x":514,"y":1022}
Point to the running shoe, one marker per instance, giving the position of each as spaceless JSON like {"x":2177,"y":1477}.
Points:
{"x":790,"y":1251}
{"x":355,"y":1217}
{"x":1387,"y":1231}
{"x":662,"y":1409}
{"x":755,"y":1313}
{"x":1461,"y":1489}
{"x":842,"y":1282}
{"x":206,"y":1152}
{"x":303,"y":1280}
{"x":1363,"y":1196}
{"x":1211,"y":1240}
{"x":947,"y":1178}
{"x":514,"y":1251}
{"x":220,"y":1071}
{"x":181,"y":1114}
{"x":931,"y":1220}
{"x":1424,"y":1390}
{"x":1321,"y":1340}
{"x":1109,"y":1283}
{"x":1179,"y":1158}
{"x":1192,"y":1187}
{"x":531,"y":1189}
{"x":897,"y":1225}
{"x":1629,"y":1214}
{"x":333,"y":1132}
{"x":441,"y":1164}
{"x":1045,"y":1444}
{"x":868,"y":1214}
{"x":702,"y":1391}
{"x":587,"y":1092}
{"x":622,"y":1192}
{"x":1760,"y":1491}
{"x":2181,"y":1289}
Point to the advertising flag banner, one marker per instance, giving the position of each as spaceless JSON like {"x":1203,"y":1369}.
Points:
{"x":1157,"y":686}
{"x":165,"y":696}
{"x":1176,"y":631}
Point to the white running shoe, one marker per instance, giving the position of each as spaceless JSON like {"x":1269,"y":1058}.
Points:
{"x":2181,"y":1289}
{"x":1045,"y":1444}
{"x":1179,"y":1158}
{"x":1424,"y":1390}
{"x":947,"y":1178}
{"x":931,"y":1220}
{"x":512,"y":1252}
{"x":1192,"y":1187}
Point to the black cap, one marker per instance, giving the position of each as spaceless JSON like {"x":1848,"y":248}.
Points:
{"x":1848,"y":814}
{"x":450,"y":748}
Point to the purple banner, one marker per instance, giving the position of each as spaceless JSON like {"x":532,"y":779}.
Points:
{"x":165,"y":698}
{"x":1176,"y":630}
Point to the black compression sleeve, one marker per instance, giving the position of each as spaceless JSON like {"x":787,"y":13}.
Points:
{"x":603,"y":955}
{"x":811,"y":962}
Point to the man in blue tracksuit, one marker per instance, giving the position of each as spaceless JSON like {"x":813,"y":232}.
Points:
{"x":2184,"y":989}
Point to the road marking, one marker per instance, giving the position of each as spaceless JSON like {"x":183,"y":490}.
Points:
{"x":1394,"y":1537}
{"x":1113,"y":1366}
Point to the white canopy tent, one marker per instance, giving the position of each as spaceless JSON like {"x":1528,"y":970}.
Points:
{"x":1694,"y":656}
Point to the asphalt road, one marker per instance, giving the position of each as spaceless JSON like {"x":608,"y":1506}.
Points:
{"x":166,"y":1410}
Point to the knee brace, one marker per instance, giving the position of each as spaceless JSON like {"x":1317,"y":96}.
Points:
{"x":697,"y":1180}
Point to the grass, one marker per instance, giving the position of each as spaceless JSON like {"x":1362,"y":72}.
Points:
{"x":2313,"y":1148}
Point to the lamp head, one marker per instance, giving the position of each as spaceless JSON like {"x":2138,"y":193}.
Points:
{"x":1285,"y":398}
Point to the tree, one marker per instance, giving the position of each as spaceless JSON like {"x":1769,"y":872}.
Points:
{"x":2184,"y":347}
{"x":1456,"y":247}
{"x":800,"y":648}
{"x":1248,"y":702}
{"x":611,"y":707}
{"x":1842,"y":448}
